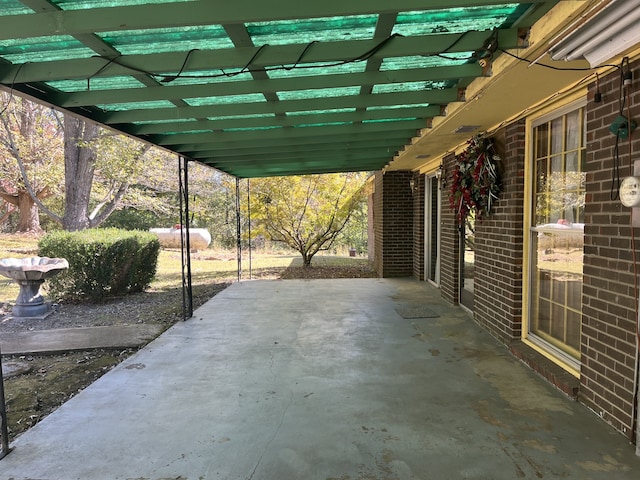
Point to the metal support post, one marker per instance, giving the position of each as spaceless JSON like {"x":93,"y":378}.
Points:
{"x":238,"y":231}
{"x":249,"y":225}
{"x":637,"y":385}
{"x":187,"y":290}
{"x":4,"y":429}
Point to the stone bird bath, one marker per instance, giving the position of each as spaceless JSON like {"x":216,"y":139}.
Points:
{"x":30,"y":273}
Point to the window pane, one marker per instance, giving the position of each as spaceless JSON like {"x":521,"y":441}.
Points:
{"x":557,"y":166}
{"x":542,"y":210}
{"x":571,"y":162}
{"x":580,"y":208}
{"x":541,"y":177}
{"x":574,"y":134}
{"x":574,"y":292}
{"x":574,"y":320}
{"x":557,"y":321}
{"x":542,"y":141}
{"x":556,"y":135}
{"x":544,"y":290}
{"x":544,"y":316}
{"x":559,"y":290}
{"x":557,"y":239}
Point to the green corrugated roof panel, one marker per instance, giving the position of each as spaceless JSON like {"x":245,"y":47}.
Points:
{"x":413,"y":86}
{"x":251,"y":95}
{"x":187,"y":131}
{"x":43,"y":49}
{"x":211,"y":76}
{"x":226,"y":99}
{"x":432,"y":61}
{"x":13,"y":7}
{"x":123,"y":107}
{"x":319,"y":93}
{"x":309,"y":69}
{"x":454,"y":20}
{"x":132,"y":42}
{"x":329,"y":124}
{"x":395,"y":107}
{"x":312,"y":30}
{"x":168,"y":120}
{"x":96,"y":83}
{"x":240,"y":117}
{"x":321,"y":112}
{"x":241,"y":129}
{"x":383,"y":120}
{"x":400,"y":87}
{"x":84,"y":4}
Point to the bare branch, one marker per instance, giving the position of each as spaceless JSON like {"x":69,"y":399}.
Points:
{"x":23,"y":172}
{"x":9,"y":198}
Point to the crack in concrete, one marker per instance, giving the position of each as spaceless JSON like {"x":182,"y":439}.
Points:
{"x":275,"y":434}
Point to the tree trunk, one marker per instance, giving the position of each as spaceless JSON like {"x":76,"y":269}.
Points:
{"x":306,"y":259}
{"x":29,"y":219}
{"x":79,"y":165}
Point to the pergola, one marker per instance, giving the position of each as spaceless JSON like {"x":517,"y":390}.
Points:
{"x":288,"y":87}
{"x":258,"y":88}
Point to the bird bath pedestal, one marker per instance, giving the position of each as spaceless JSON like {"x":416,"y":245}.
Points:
{"x":30,"y":273}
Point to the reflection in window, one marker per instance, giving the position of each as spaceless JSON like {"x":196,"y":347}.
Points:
{"x":557,"y":236}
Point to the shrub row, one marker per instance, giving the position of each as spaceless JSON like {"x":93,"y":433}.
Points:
{"x":102,"y":262}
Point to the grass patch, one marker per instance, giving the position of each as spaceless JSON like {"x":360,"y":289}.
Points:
{"x":207,"y":266}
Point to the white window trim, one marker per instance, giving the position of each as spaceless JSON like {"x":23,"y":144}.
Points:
{"x":427,"y":222}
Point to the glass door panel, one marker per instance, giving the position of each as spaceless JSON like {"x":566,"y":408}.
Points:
{"x":557,"y":233}
{"x":467,"y":261}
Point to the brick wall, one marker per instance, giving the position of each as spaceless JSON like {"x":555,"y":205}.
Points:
{"x":377,"y":222}
{"x":609,"y":298}
{"x":498,"y":244}
{"x":449,"y":240}
{"x":393,"y":224}
{"x":418,"y":225}
{"x":608,"y":340}
{"x":371,"y":243}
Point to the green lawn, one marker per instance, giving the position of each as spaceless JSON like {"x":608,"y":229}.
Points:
{"x":207,"y":266}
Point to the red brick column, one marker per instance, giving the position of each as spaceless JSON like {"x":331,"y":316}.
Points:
{"x":449,"y":240}
{"x":393,"y":224}
{"x":418,"y":225}
{"x":498,"y":245}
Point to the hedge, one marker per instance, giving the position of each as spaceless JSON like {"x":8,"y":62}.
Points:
{"x":102,"y":262}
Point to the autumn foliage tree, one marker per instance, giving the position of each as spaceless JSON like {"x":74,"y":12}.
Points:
{"x":87,"y":171}
{"x":308,"y":212}
{"x":30,"y":158}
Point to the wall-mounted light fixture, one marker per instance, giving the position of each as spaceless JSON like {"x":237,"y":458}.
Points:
{"x":412,"y":185}
{"x":442,"y":179}
{"x":439,"y":172}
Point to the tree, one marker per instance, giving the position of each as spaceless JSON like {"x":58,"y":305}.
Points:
{"x":85,"y":151}
{"x":89,"y":155}
{"x":213,"y":204}
{"x":86,"y":174}
{"x":88,"y":150}
{"x":355,"y":234}
{"x":30,"y":159}
{"x":308,"y":212}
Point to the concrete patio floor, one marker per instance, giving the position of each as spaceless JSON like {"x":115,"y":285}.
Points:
{"x":348,"y":379}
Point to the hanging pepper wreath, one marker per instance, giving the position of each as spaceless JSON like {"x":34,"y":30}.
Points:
{"x":475,"y":182}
